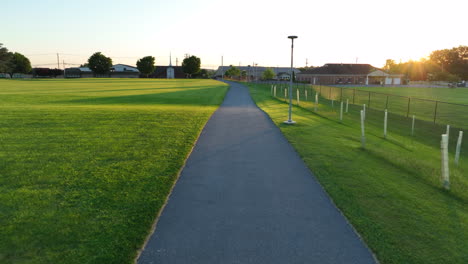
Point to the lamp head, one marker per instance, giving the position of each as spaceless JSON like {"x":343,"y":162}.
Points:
{"x":292,"y":37}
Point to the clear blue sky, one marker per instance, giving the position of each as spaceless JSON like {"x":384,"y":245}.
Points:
{"x":242,"y":31}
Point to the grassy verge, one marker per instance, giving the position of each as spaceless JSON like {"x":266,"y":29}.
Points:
{"x":390,"y":191}
{"x":85,"y":165}
{"x":445,"y":106}
{"x":451,"y":95}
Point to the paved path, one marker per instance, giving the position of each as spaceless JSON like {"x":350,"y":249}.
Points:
{"x":245,"y":196}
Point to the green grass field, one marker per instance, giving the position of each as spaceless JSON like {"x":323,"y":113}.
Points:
{"x":391,"y":191}
{"x":451,"y":95}
{"x":86,"y":164}
{"x":446,"y":111}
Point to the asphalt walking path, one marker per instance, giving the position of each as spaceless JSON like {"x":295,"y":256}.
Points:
{"x":245,"y":196}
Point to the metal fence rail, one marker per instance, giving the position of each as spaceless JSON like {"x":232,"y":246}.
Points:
{"x":438,"y":112}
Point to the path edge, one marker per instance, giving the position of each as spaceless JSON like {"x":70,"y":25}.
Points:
{"x":374,"y":256}
{"x":161,"y":210}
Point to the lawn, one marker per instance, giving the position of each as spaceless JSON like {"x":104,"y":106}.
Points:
{"x":390,"y":191}
{"x":451,"y":95}
{"x":86,"y":164}
{"x":421,"y":101}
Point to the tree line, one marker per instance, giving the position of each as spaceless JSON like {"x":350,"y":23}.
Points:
{"x":13,"y":62}
{"x":98,"y":63}
{"x":442,"y":65}
{"x":234,"y":72}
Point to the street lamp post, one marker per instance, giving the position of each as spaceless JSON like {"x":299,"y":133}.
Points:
{"x":290,"y":121}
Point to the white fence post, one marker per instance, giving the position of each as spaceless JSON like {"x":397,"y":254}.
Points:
{"x":316,"y":101}
{"x":412,"y":126}
{"x":445,"y":161}
{"x":448,"y":132}
{"x":385,"y":124}
{"x":297,"y":95}
{"x":285,"y":91}
{"x":274,"y":91}
{"x":363,"y":134}
{"x":364,"y":111}
{"x":459,"y":142}
{"x":305,"y":94}
{"x":347,"y":103}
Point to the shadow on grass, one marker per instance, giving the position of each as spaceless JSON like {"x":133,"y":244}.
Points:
{"x":204,"y":96}
{"x":90,"y":90}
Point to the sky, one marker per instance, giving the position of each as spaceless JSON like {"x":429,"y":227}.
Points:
{"x":242,"y":32}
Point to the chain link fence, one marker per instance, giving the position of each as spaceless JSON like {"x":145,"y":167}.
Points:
{"x":438,"y":112}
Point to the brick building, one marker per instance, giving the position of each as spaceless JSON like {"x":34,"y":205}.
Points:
{"x":353,"y":74}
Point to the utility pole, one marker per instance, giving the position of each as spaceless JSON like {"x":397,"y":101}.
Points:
{"x":222,"y":68}
{"x":58,"y":61}
{"x":64,"y":69}
{"x":307,"y":63}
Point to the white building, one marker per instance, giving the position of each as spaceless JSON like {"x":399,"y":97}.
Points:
{"x":123,"y":68}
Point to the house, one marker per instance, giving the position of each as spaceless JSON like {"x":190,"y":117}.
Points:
{"x":255,"y":73}
{"x":340,"y":73}
{"x":124,"y":71}
{"x":116,"y":71}
{"x":78,"y":72}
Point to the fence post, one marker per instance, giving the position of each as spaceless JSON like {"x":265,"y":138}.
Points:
{"x":459,"y":142}
{"x":297,"y":95}
{"x":409,"y":102}
{"x":363,"y":135}
{"x":285,"y":91}
{"x":316,"y":101}
{"x":354,"y":94}
{"x":435,"y":112}
{"x":412,"y":126}
{"x":445,"y":162}
{"x":448,"y":132}
{"x":347,"y":103}
{"x":305,"y":91}
{"x":364,"y":109}
{"x":368,"y":103}
{"x":341,"y":112}
{"x":274,"y":91}
{"x":385,"y":124}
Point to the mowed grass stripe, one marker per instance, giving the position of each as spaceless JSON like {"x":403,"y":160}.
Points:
{"x":457,"y":95}
{"x":451,"y":106}
{"x":83,"y":172}
{"x":391,"y":191}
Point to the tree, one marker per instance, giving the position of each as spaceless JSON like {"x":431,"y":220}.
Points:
{"x":203,"y":73}
{"x":5,"y":57}
{"x":19,"y":64}
{"x":268,"y":74}
{"x":233,"y":71}
{"x":99,"y":63}
{"x":191,"y":65}
{"x":454,"y":61}
{"x":146,"y":65}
